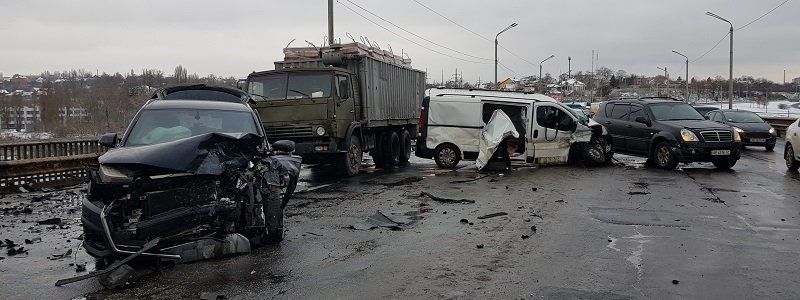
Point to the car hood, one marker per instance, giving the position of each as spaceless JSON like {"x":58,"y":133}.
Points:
{"x":190,"y":155}
{"x":752,"y":127}
{"x":695,"y":124}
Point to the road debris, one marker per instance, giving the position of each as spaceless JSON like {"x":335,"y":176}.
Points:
{"x":497,"y":214}
{"x":405,"y":181}
{"x":149,"y":245}
{"x":51,"y":221}
{"x":378,"y":219}
{"x":60,"y":255}
{"x":470,"y":180}
{"x":675,"y":281}
{"x":80,"y":267}
{"x":525,"y":236}
{"x":533,"y":228}
{"x":479,"y":246}
{"x":33,"y":240}
{"x":534,"y":189}
{"x":446,"y":200}
{"x":16,"y":251}
{"x":463,"y":221}
{"x":638,"y":193}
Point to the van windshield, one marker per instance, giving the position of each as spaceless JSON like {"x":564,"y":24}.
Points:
{"x":290,"y":85}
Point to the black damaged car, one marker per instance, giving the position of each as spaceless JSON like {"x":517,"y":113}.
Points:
{"x":667,"y":132}
{"x":192,"y":172}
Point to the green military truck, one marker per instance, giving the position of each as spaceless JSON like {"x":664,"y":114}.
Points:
{"x":338,"y":102}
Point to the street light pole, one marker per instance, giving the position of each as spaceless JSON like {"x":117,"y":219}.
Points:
{"x":730,"y":75}
{"x":496,"y":83}
{"x":687,"y":73}
{"x":569,"y":67}
{"x":540,"y":66}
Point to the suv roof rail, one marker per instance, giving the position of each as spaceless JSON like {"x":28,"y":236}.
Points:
{"x":659,"y":97}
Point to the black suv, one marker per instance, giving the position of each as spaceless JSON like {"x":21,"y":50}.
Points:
{"x":667,"y":132}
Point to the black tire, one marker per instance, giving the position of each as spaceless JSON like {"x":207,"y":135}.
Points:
{"x":593,"y":154}
{"x":725,"y":163}
{"x":377,"y":152}
{"x":287,"y":193}
{"x":273,"y":217}
{"x":769,"y":147}
{"x":447,"y":156}
{"x":350,"y":163}
{"x":791,"y":162}
{"x":391,"y":149}
{"x":405,"y":147}
{"x":664,"y":156}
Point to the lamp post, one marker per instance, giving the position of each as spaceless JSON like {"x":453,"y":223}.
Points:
{"x":569,"y":67}
{"x":496,"y":83}
{"x":540,"y":65}
{"x":730,"y":76}
{"x":687,"y":73}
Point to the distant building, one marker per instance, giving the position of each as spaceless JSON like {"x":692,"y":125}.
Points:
{"x":573,"y":86}
{"x":19,"y":82}
{"x":796,"y":81}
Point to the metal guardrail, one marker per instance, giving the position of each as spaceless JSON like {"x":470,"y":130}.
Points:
{"x":780,"y":124}
{"x":46,"y":163}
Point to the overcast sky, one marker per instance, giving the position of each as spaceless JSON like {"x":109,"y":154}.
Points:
{"x":233,"y":38}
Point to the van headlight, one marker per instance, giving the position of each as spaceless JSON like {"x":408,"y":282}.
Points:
{"x":772,"y":131}
{"x":688,"y":136}
{"x":320,"y":131}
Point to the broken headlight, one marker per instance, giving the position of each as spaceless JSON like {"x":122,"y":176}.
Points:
{"x":111,"y":174}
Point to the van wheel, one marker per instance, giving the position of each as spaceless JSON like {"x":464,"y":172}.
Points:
{"x":377,"y":152}
{"x":791,"y":161}
{"x":447,"y":156}
{"x":725,"y":163}
{"x":405,"y":147}
{"x":391,"y":149}
{"x":350,"y":162}
{"x":594,"y":154}
{"x":664,"y":157}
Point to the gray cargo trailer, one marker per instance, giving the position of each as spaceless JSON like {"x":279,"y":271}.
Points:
{"x":337,"y":103}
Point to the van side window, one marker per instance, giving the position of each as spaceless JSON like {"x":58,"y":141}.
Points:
{"x":554,"y":118}
{"x":620,"y":111}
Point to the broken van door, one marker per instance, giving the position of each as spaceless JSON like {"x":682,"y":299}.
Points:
{"x":517,"y":114}
{"x":552,"y":133}
{"x":499,"y":127}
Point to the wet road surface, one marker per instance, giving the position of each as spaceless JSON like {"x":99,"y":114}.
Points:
{"x":618,"y":232}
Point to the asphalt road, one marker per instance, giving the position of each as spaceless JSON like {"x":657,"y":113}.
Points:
{"x":618,"y":232}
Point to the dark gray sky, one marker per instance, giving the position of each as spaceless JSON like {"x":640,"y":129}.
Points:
{"x":232,"y":38}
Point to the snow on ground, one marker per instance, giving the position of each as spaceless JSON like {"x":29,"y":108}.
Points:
{"x":10,"y":134}
{"x":772,"y":109}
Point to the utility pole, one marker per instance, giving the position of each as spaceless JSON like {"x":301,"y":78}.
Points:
{"x":730,"y":75}
{"x":540,"y":66}
{"x":330,"y":22}
{"x":687,"y":73}
{"x":569,"y":67}
{"x":784,"y":77}
{"x":496,"y":83}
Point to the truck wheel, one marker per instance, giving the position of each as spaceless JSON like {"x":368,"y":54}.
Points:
{"x":725,"y":163}
{"x":447,"y":156}
{"x":377,"y":152}
{"x":405,"y":147}
{"x":350,"y":162}
{"x":391,"y":149}
{"x":791,"y":162}
{"x":664,"y":157}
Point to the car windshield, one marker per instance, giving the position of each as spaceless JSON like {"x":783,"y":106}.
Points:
{"x":292,"y":85}
{"x":157,"y":126}
{"x":743,"y":117}
{"x":674,"y":111}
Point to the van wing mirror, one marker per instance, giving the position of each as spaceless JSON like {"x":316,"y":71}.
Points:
{"x":108,"y":140}
{"x":643,"y":120}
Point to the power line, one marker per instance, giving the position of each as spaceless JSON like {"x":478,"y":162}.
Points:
{"x":712,"y":48}
{"x":407,"y":39}
{"x":475,"y":33}
{"x":764,"y":15}
{"x":416,"y":35}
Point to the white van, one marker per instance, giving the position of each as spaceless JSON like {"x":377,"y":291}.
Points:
{"x":451,"y":121}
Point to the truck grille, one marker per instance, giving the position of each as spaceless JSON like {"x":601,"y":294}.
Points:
{"x":717,"y":136}
{"x":288,"y":131}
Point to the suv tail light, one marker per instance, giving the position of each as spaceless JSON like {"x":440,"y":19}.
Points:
{"x":423,"y":120}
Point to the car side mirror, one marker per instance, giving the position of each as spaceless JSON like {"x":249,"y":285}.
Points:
{"x":108,"y":140}
{"x":643,"y":120}
{"x":707,"y":117}
{"x":286,"y":146}
{"x":241,"y":83}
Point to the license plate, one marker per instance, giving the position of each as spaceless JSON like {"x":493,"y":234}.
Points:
{"x":758,"y":140}
{"x":720,"y":152}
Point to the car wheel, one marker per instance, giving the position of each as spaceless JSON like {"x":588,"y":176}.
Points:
{"x":724,"y":164}
{"x":350,"y":162}
{"x":391,"y":149}
{"x":273,"y":217}
{"x":447,"y":156}
{"x":770,"y":147}
{"x":405,"y":147}
{"x":791,"y":161}
{"x":664,"y":156}
{"x":594,"y":154}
